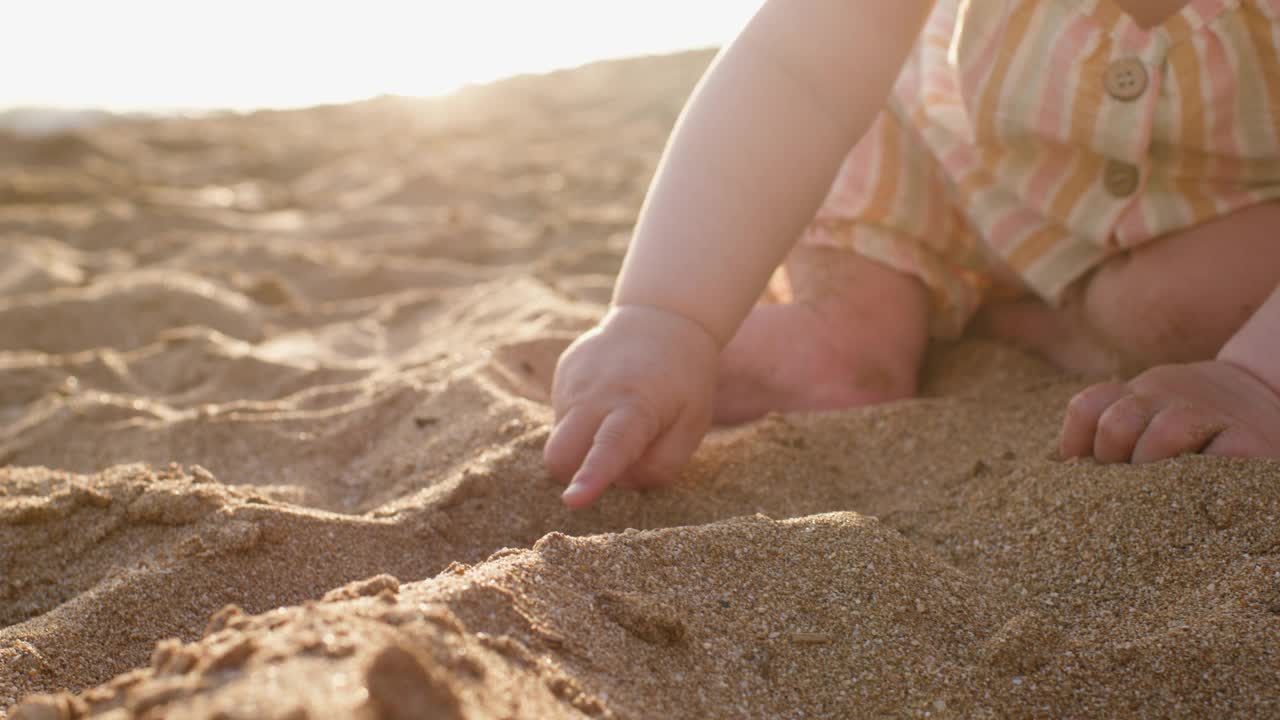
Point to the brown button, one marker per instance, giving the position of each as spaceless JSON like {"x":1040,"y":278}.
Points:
{"x":1120,"y":179}
{"x":1126,"y":79}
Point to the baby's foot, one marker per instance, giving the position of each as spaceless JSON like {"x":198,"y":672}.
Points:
{"x":1214,"y":407}
{"x":793,"y":357}
{"x":853,"y":334}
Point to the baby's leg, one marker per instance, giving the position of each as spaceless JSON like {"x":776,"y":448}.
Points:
{"x":853,"y":333}
{"x":1180,"y":298}
{"x":854,"y":328}
{"x":1177,"y":299}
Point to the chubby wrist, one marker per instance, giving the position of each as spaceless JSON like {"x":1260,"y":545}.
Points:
{"x":628,"y":316}
{"x":709,"y":305}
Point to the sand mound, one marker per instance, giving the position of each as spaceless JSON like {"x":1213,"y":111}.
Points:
{"x":272,"y":402}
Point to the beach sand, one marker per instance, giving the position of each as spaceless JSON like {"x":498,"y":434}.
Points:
{"x":272,"y":402}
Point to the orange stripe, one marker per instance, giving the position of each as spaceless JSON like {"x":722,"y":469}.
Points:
{"x":1178,"y":26}
{"x":1034,"y":247}
{"x":1268,"y":58}
{"x":888,"y":170}
{"x":1185,"y":62}
{"x":1084,"y":120}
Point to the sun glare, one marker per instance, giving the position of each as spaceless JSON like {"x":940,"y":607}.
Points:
{"x":175,"y":54}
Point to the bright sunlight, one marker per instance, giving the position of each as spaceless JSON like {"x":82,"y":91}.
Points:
{"x":183,"y":54}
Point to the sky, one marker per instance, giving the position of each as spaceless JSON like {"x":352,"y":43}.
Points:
{"x":242,"y":54}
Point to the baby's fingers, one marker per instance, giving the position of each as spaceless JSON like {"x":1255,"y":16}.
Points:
{"x":621,"y":440}
{"x":570,"y":440}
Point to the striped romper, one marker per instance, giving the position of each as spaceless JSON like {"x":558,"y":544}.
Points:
{"x":1026,"y":141}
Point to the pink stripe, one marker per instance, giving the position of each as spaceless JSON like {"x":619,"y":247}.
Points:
{"x":858,"y":175}
{"x":1069,"y":47}
{"x":1051,"y":168}
{"x":942,"y":23}
{"x":1009,"y":231}
{"x":1132,"y":227}
{"x":981,"y":65}
{"x":940,"y":80}
{"x":1220,"y":87}
{"x":1132,"y":37}
{"x":960,"y":160}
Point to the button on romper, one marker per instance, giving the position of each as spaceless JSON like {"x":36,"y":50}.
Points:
{"x":1026,"y":141}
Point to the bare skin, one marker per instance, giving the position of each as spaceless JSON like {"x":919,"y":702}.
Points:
{"x":1191,"y":314}
{"x":836,"y":343}
{"x":855,"y":332}
{"x":1149,"y":13}
{"x":632,"y":397}
{"x":1161,"y":314}
{"x":1165,"y":312}
{"x":683,"y":343}
{"x":1177,"y":299}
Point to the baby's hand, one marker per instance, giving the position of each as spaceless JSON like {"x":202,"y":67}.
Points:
{"x":632,"y":398}
{"x":1215,"y":407}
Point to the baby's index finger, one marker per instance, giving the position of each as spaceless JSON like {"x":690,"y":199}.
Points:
{"x":619,"y":443}
{"x":569,"y":442}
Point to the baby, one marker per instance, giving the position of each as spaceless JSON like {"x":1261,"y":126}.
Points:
{"x":1094,"y":180}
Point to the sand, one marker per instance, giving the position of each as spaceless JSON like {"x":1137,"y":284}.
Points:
{"x":272,"y":401}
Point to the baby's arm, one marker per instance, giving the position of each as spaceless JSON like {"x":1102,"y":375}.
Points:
{"x":756,"y":150}
{"x":750,"y":161}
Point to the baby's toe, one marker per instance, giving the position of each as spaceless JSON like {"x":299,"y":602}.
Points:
{"x":1080,"y":425}
{"x":1120,"y":427}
